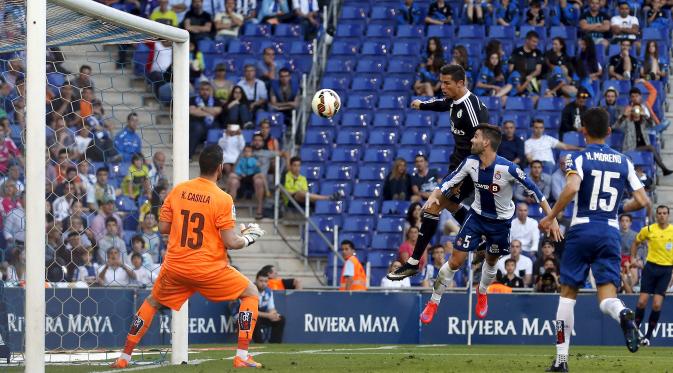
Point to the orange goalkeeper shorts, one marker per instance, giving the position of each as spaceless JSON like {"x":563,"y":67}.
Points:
{"x":172,"y":289}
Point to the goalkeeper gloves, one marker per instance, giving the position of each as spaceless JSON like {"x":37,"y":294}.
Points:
{"x":251,"y":233}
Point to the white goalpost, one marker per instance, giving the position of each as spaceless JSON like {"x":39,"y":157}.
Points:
{"x":37,"y":35}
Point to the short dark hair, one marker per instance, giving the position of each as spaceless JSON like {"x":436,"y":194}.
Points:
{"x":294,"y":159}
{"x":596,"y":121}
{"x":663,"y":207}
{"x":492,"y":133}
{"x":266,"y":270}
{"x":510,"y":260}
{"x":626,"y":216}
{"x":284,"y":70}
{"x":456,"y":72}
{"x":131,"y":115}
{"x":262,"y":273}
{"x":103,"y":169}
{"x":536,"y":120}
{"x":509,"y":121}
{"x":348,"y":243}
{"x":137,"y":238}
{"x":635,"y":90}
{"x":84,"y":67}
{"x":532,"y":34}
{"x":136,"y":255}
{"x":537,"y":161}
{"x":110,"y":219}
{"x":419,"y":155}
{"x":257,"y":134}
{"x":210,"y":159}
{"x":205,"y":83}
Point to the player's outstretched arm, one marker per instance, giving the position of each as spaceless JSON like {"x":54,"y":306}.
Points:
{"x":573,"y":181}
{"x":249,"y":235}
{"x":432,"y":105}
{"x":554,"y":228}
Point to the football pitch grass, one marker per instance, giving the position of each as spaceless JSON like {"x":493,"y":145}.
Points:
{"x":402,"y":358}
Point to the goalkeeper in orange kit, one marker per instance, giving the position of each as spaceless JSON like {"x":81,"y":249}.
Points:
{"x":200,"y":220}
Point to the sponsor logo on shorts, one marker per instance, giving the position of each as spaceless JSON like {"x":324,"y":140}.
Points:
{"x":244,"y":320}
{"x":495,"y":249}
{"x":136,"y":325}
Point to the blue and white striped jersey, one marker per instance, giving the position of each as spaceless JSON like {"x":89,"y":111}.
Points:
{"x":605,"y":173}
{"x":493,"y":186}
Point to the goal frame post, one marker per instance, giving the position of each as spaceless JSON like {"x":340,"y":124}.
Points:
{"x":36,"y":45}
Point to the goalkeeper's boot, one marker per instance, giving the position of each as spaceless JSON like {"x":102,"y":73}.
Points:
{"x":429,"y":312}
{"x":120,"y":364}
{"x":629,"y":328}
{"x":561,"y":367}
{"x":482,"y":305}
{"x":246,"y":363}
{"x":407,"y":270}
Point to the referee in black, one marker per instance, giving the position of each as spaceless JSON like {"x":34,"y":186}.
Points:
{"x":466,"y":112}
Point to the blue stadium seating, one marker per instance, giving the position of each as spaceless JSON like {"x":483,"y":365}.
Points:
{"x":380,"y":259}
{"x":441,"y":31}
{"x":312,"y":171}
{"x":383,"y":136}
{"x":367,"y":82}
{"x":314,"y":153}
{"x":444,"y":139}
{"x":554,"y":104}
{"x":383,"y":13}
{"x":364,"y":189}
{"x":344,"y":47}
{"x":341,"y":64}
{"x":288,"y":30}
{"x":346,"y":154}
{"x":501,"y":32}
{"x":416,"y":136}
{"x":402,"y":64}
{"x":574,"y":138}
{"x":360,"y":240}
{"x":380,"y":31}
{"x":390,"y":101}
{"x":419,"y":119}
{"x":410,"y":31}
{"x":341,"y":172}
{"x":354,"y":118}
{"x":359,"y":224}
{"x":363,"y":207}
{"x":439,"y":155}
{"x":352,"y":137}
{"x":472,"y":32}
{"x":387,"y":241}
{"x":317,"y":136}
{"x":378,"y":155}
{"x":336,"y":82}
{"x":354,"y":12}
{"x":409,"y":152}
{"x":330,"y":187}
{"x":371,"y":65}
{"x":361,"y":101}
{"x":375,"y":48}
{"x":395,"y":208}
{"x":349,"y":30}
{"x":388,"y":119}
{"x":403,"y":48}
{"x":330,"y":207}
{"x":372,"y":172}
{"x":394,"y":83}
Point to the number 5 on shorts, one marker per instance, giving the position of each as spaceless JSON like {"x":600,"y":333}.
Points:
{"x":466,"y":241}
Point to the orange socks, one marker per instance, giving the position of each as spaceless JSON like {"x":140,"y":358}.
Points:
{"x":141,"y":322}
{"x":247,"y":318}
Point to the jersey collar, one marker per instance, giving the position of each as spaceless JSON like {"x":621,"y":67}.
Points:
{"x":460,"y":100}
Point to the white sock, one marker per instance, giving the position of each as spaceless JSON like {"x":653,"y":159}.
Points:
{"x":243,"y":354}
{"x":124,"y":356}
{"x":487,"y":276}
{"x":444,"y":277}
{"x":565,"y":320}
{"x":612,"y":307}
{"x":412,"y":261}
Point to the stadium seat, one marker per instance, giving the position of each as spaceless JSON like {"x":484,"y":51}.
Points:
{"x":341,"y":172}
{"x":535,"y":211}
{"x":387,"y":241}
{"x":126,"y":204}
{"x":403,"y":48}
{"x":317,"y":121}
{"x":519,"y":104}
{"x":616,"y":140}
{"x":287,"y":30}
{"x":574,"y":138}
{"x":375,"y":48}
{"x":567,"y":33}
{"x":363,"y":207}
{"x":392,"y":101}
{"x":395,"y":208}
{"x":339,"y":82}
{"x":359,"y":224}
{"x":415,"y":136}
{"x":368,"y":189}
{"x":330,"y":207}
{"x":357,"y":118}
{"x":378,"y":155}
{"x":409,"y":152}
{"x":554,"y":104}
{"x":318,"y":136}
{"x":492,"y":103}
{"x":367,"y":82}
{"x":443,"y":139}
{"x":341,"y":64}
{"x":351,"y":137}
{"x":419,"y":119}
{"x":388,"y":119}
{"x":361,"y":101}
{"x":641,"y":158}
{"x":380,"y":260}
{"x":390,"y":225}
{"x":443,"y":120}
{"x":383,"y":13}
{"x":342,"y":47}
{"x":371,"y":172}
{"x":622,"y":86}
{"x":349,"y":30}
{"x":525,"y":29}
{"x":360,"y":240}
{"x":256,"y":29}
{"x":380,"y":31}
{"x":439,"y":155}
{"x":237,"y":46}
{"x":402,"y":65}
{"x":393,"y":83}
{"x":653,"y":33}
{"x":214,"y":135}
{"x":383,"y":136}
{"x":312,"y":171}
{"x":314,"y":153}
{"x":346,"y":154}
{"x":472,"y":32}
{"x":501,"y":32}
{"x":130,"y":221}
{"x":328,"y":188}
{"x":300,"y":47}
{"x":354,"y":12}
{"x":410,"y":31}
{"x":371,"y":65}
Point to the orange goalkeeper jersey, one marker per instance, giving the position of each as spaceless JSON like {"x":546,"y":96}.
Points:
{"x":197,"y":210}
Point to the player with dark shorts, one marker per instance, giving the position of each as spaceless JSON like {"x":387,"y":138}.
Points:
{"x":658,"y":268}
{"x":466,"y":112}
{"x":596,"y":179}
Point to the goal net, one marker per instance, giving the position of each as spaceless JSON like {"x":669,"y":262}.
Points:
{"x":93,"y":119}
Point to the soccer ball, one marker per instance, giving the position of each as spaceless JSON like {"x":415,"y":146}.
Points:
{"x":326,"y":103}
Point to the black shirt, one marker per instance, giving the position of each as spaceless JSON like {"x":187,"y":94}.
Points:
{"x":466,"y":113}
{"x":525,"y":62}
{"x":426,"y":183}
{"x":570,"y":118}
{"x":516,"y":282}
{"x":198,"y":20}
{"x":598,"y":19}
{"x":434,"y":11}
{"x":617,"y":62}
{"x":640,"y":139}
{"x":555,"y":60}
{"x":513,"y":149}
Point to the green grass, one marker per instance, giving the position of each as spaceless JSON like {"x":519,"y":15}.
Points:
{"x":412,"y":358}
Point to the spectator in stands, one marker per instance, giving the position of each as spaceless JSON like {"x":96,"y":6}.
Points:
{"x":86,"y":272}
{"x":524,"y":266}
{"x":424,"y":180}
{"x":525,"y":231}
{"x":644,"y":178}
{"x":238,"y":108}
{"x":198,"y":22}
{"x":60,"y":206}
{"x":101,"y":189}
{"x":16,"y":270}
{"x":306,"y":12}
{"x":157,"y":173}
{"x":438,"y":256}
{"x":297,"y":185}
{"x":609,"y":103}
{"x":14,"y":174}
{"x":115,"y":272}
{"x":506,"y":13}
{"x":625,"y":26}
{"x":149,"y":229}
{"x":548,"y":282}
{"x":54,"y":238}
{"x":128,"y":142}
{"x":413,"y":218}
{"x":9,"y":152}
{"x":596,"y":23}
{"x":634,"y":124}
{"x":254,"y":89}
{"x":105,"y":211}
{"x":270,"y":142}
{"x":539,"y":146}
{"x":623,"y":66}
{"x":265,"y":157}
{"x":83,"y":80}
{"x":138,"y":247}
{"x":510,"y":278}
{"x":560,"y":83}
{"x":627,"y":234}
{"x":397,"y":184}
{"x":353,"y":275}
{"x":161,"y":69}
{"x":474,"y":12}
{"x":75,"y":224}
{"x":535,"y":15}
{"x":651,"y":68}
{"x":203,"y":109}
{"x":656,"y":17}
{"x":227,"y":24}
{"x":143,"y":275}
{"x":439,"y":13}
{"x":266,"y":68}
{"x":134,"y":179}
{"x":558,"y":179}
{"x":541,"y":179}
{"x":112,"y":239}
{"x":273,"y":12}
{"x":409,"y":13}
{"x":82,"y":140}
{"x":636,"y":98}
{"x":248,"y":176}
{"x":427,"y":83}
{"x":248,"y":9}
{"x":63,"y":104}
{"x":284,"y":94}
{"x":527,"y":60}
{"x":278,"y":283}
{"x":232,"y":144}
{"x":546,"y":252}
{"x":571,"y":116}
{"x":491,"y":79}
{"x":15,"y":223}
{"x":197,"y":64}
{"x":221,"y":85}
{"x":389,"y":284}
{"x":268,"y":316}
{"x":83,"y":107}
{"x":512,"y":147}
{"x":586,"y":65}
{"x":164,"y":14}
{"x":459,"y":56}
{"x":407,"y":247}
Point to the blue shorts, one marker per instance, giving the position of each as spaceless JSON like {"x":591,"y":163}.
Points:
{"x":595,"y":246}
{"x":475,"y":226}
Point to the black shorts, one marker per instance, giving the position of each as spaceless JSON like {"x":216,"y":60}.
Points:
{"x":655,"y":278}
{"x":467,"y":186}
{"x":247,"y":184}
